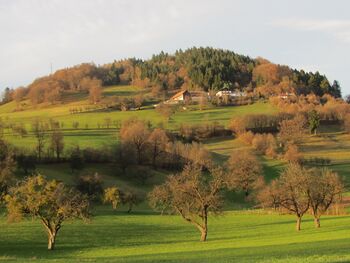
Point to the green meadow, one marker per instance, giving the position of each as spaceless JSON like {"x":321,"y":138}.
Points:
{"x":92,"y":131}
{"x":240,"y":234}
{"x":244,"y":236}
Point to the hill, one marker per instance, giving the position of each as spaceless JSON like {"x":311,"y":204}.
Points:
{"x":194,"y":69}
{"x":112,"y":121}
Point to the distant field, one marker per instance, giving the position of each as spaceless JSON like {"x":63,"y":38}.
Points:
{"x":222,"y":114}
{"x":334,"y":145}
{"x":124,"y":91}
{"x":223,"y":147}
{"x":92,"y":130}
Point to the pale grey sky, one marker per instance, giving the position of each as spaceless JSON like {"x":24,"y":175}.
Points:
{"x":313,"y":34}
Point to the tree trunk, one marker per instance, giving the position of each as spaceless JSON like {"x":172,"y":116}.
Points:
{"x":130,"y":208}
{"x":317,"y":222}
{"x":204,"y":233}
{"x":139,"y":161}
{"x":51,"y":240}
{"x":298,"y":223}
{"x":204,"y":229}
{"x":58,"y":154}
{"x":154,"y":157}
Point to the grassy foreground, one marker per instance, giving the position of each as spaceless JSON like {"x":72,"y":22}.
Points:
{"x":145,"y":237}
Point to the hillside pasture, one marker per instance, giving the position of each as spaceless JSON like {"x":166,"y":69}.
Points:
{"x":123,"y":91}
{"x":147,"y":237}
{"x":92,"y":130}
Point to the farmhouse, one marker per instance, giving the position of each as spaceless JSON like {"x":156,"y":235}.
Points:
{"x":230,"y":93}
{"x":185,"y":95}
{"x":286,"y":95}
{"x":197,"y":96}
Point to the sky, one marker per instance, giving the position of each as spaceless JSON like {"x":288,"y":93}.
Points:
{"x":35,"y":34}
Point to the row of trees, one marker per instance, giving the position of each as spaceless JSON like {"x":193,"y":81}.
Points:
{"x":299,"y":190}
{"x":195,"y":194}
{"x":328,"y":108}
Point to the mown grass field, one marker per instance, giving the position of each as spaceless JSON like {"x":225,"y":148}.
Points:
{"x":147,"y":237}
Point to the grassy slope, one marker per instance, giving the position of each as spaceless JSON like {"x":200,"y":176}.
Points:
{"x":239,"y":236}
{"x":144,"y":237}
{"x":329,"y":143}
{"x":88,"y":133}
{"x":222,"y":148}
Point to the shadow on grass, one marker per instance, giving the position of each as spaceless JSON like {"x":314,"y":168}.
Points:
{"x":322,"y":251}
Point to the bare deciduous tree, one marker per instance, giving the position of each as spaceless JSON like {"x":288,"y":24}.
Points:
{"x":138,"y":101}
{"x":18,"y":95}
{"x":292,"y":154}
{"x":325,"y":189}
{"x":57,"y":144}
{"x":136,"y":133}
{"x":130,"y":198}
{"x":94,"y":86}
{"x":347,"y":123}
{"x":292,"y":131}
{"x":50,"y":201}
{"x":158,"y":140}
{"x":289,"y":191}
{"x":238,"y":125}
{"x":191,"y":194}
{"x":7,"y":167}
{"x":165,"y":110}
{"x":244,"y":171}
{"x":39,"y":131}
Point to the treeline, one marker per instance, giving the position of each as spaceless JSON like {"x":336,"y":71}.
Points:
{"x":139,"y":144}
{"x":329,"y":108}
{"x":195,"y":194}
{"x":280,"y":135}
{"x":195,"y":69}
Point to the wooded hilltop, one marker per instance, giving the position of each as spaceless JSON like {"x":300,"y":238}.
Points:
{"x":203,"y":68}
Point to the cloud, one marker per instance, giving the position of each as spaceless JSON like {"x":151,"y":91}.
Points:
{"x":340,"y":29}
